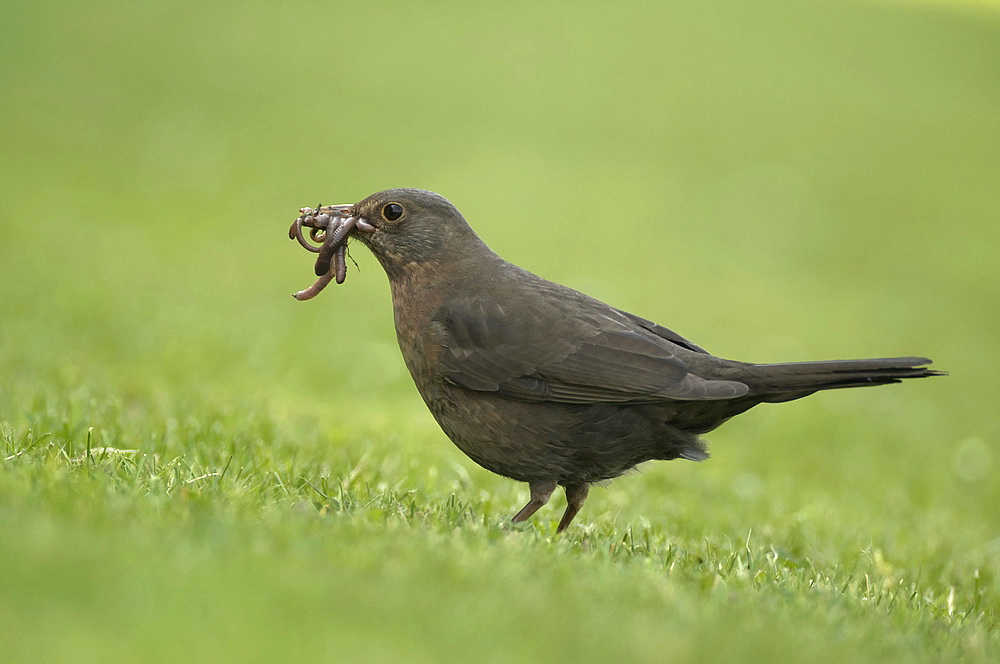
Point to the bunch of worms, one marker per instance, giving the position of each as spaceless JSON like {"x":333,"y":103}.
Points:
{"x":328,"y":227}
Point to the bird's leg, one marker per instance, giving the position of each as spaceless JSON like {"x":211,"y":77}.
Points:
{"x":540,"y":494}
{"x":575,"y":495}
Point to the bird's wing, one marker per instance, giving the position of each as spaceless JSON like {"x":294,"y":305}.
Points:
{"x":549,"y":352}
{"x":662,"y":332}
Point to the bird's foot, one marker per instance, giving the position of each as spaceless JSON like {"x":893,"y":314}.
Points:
{"x":576,"y":494}
{"x":540,"y":494}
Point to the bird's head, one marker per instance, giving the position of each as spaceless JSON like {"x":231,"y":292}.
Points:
{"x":404,"y":228}
{"x":411,"y":226}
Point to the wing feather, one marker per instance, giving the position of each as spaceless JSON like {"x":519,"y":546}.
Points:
{"x":548,"y":354}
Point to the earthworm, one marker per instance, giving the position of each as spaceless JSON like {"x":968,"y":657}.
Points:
{"x":340,"y":263}
{"x":329,"y":227}
{"x":295,"y":233}
{"x":338,"y":272}
{"x":314,"y":290}
{"x":316,"y":224}
{"x":334,"y":239}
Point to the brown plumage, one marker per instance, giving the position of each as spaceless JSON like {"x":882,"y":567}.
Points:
{"x":539,"y":382}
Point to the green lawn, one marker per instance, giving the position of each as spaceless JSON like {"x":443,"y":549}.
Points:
{"x":195,"y":467}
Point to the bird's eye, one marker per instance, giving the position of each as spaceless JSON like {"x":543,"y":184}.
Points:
{"x":392,"y":211}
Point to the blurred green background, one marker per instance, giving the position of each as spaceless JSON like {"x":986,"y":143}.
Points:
{"x":777,"y":181}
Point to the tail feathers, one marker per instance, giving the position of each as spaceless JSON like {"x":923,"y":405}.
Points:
{"x":795,"y":379}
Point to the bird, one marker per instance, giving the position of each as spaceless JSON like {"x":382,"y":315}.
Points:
{"x":536,"y":381}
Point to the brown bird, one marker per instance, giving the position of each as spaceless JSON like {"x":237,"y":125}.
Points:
{"x":536,"y":381}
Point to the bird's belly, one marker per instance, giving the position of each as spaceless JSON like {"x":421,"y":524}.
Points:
{"x":545,"y":441}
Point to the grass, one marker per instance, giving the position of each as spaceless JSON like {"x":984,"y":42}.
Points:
{"x":231,"y":530}
{"x":194,"y":466}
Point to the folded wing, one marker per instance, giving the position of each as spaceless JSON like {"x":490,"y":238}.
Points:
{"x":545,"y":354}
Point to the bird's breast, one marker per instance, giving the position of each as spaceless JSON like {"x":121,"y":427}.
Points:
{"x":414,"y":301}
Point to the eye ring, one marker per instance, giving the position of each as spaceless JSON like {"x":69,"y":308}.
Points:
{"x":392,"y":211}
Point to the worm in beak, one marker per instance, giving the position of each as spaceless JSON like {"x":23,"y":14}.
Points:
{"x":329,"y":227}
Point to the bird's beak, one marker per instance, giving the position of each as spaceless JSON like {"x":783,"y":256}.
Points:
{"x":335,"y":210}
{"x":327,"y":219}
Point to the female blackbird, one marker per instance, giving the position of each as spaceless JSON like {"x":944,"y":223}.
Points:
{"x":539,"y":382}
